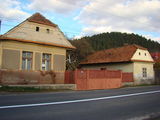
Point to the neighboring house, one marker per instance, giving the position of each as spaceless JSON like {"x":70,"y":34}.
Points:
{"x":35,"y":44}
{"x":156,"y":56}
{"x":129,"y":58}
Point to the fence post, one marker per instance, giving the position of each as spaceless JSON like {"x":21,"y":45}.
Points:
{"x":121,"y":76}
{"x":87,"y":74}
{"x":75,"y":76}
{"x":87,"y":79}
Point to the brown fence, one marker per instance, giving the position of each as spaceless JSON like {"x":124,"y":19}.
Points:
{"x":94,"y":79}
{"x":97,"y":79}
{"x":127,"y":77}
{"x":69,"y":77}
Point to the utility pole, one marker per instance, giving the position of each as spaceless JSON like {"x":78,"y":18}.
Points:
{"x":0,"y":25}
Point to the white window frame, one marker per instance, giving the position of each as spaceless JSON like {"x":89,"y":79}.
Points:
{"x":26,"y":59}
{"x":45,"y":61}
{"x":144,"y":72}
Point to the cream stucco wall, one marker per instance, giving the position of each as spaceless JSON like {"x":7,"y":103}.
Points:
{"x":27,"y":31}
{"x":142,"y":55}
{"x":14,"y":45}
{"x":145,"y":61}
{"x":138,"y":73}
{"x":125,"y":67}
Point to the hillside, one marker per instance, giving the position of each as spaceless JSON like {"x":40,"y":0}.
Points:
{"x":88,"y":45}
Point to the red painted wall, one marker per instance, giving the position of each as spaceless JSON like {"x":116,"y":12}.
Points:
{"x":94,"y":79}
{"x":13,"y":77}
{"x":127,"y":77}
{"x":97,"y":79}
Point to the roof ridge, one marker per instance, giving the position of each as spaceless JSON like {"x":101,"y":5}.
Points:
{"x":134,"y":45}
{"x":139,"y":46}
{"x":39,"y":18}
{"x":119,"y":54}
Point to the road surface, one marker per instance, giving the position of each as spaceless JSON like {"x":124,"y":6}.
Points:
{"x":115,"y":104}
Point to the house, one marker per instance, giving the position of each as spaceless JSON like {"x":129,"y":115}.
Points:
{"x":156,"y":56}
{"x":36,"y":44}
{"x":129,"y":58}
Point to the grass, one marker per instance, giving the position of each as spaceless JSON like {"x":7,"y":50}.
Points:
{"x":28,"y":89}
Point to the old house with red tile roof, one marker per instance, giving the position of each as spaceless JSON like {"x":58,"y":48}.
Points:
{"x":33,"y":45}
{"x":129,"y":58}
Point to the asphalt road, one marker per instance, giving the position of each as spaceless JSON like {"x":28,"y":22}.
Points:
{"x":115,"y":104}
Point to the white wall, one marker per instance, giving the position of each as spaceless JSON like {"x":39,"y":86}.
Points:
{"x":125,"y":67}
{"x":142,"y":55}
{"x":138,"y":76}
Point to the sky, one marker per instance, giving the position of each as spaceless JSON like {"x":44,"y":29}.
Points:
{"x":78,"y":18}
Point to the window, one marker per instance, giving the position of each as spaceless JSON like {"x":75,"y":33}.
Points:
{"x":103,"y":68}
{"x":145,"y":54}
{"x":27,"y":60}
{"x":144,"y":72}
{"x":37,"y":29}
{"x":47,"y":30}
{"x":46,"y":61}
{"x":139,"y":53}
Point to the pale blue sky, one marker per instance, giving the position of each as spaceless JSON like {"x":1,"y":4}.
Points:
{"x":77,"y":18}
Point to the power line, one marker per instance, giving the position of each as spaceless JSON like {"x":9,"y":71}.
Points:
{"x":0,"y":25}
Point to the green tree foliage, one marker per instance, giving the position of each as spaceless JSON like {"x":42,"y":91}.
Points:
{"x":157,"y":66}
{"x":90,"y":44}
{"x":116,"y":39}
{"x":83,"y":49}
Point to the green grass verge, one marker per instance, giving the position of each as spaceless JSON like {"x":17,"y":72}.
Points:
{"x":28,"y":89}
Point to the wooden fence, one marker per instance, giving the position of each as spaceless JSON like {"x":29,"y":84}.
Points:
{"x":127,"y":77}
{"x":97,"y":79}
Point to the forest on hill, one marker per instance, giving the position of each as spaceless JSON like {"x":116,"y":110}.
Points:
{"x":90,"y":44}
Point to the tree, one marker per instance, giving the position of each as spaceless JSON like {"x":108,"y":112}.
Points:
{"x":88,"y":45}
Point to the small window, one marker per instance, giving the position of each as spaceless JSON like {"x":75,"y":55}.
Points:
{"x":139,"y":53}
{"x":145,"y":54}
{"x":27,"y":60}
{"x":47,"y":30}
{"x":37,"y":29}
{"x":144,"y":72}
{"x":103,"y":68}
{"x":46,"y":61}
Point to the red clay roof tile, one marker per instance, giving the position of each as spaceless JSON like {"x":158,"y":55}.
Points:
{"x":120,"y":54}
{"x":38,"y":18}
{"x":3,"y":38}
